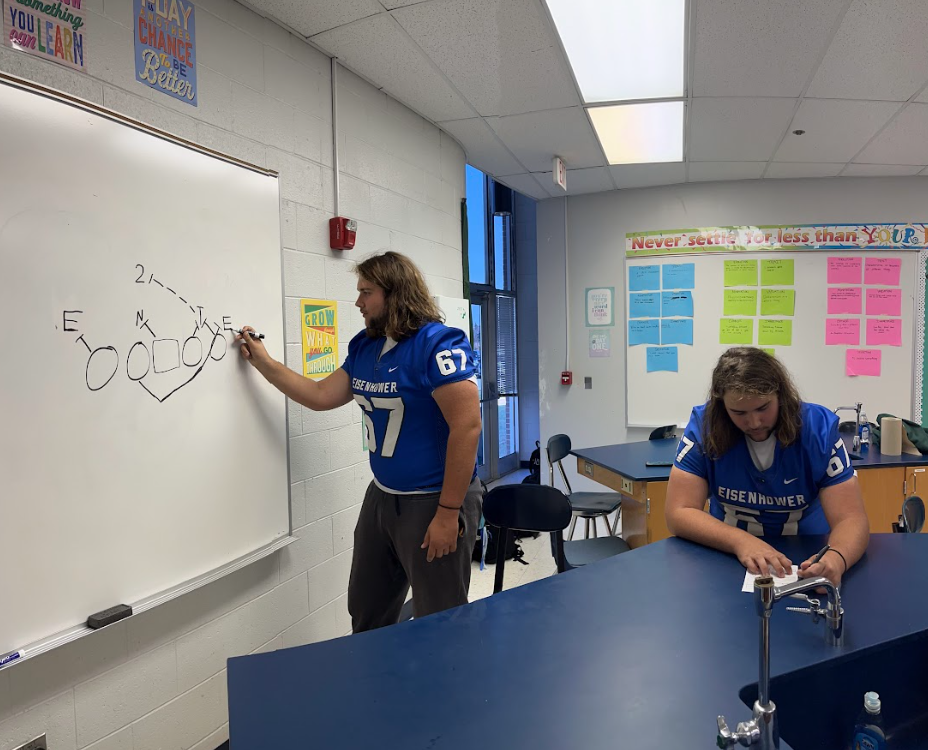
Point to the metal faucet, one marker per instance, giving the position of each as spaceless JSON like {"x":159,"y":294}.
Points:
{"x":857,"y":408}
{"x":763,"y":729}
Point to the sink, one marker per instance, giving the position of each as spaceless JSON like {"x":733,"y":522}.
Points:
{"x":818,"y":705}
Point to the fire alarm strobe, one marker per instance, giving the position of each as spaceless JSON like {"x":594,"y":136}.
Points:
{"x":567,"y":377}
{"x":342,"y":233}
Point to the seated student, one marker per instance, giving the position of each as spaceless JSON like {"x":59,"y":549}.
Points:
{"x":771,"y":465}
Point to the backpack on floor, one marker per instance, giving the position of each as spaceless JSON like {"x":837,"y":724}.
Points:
{"x":490,"y":535}
{"x":534,"y":466}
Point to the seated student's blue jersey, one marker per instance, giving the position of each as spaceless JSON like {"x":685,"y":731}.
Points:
{"x":783,"y":500}
{"x":407,"y":436}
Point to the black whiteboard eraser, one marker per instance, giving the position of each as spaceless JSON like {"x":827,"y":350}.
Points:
{"x":109,"y":616}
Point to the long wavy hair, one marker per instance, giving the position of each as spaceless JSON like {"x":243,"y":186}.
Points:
{"x":745,"y":369}
{"x":407,"y":303}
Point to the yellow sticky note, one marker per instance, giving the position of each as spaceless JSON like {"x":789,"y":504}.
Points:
{"x":740,"y":273}
{"x":740,"y":302}
{"x":777,"y":302}
{"x":736,"y":331}
{"x":777,"y":272}
{"x":771,"y":352}
{"x":775,"y":332}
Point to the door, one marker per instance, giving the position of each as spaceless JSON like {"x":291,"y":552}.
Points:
{"x":493,"y":322}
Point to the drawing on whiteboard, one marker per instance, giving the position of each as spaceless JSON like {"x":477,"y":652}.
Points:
{"x":160,"y":365}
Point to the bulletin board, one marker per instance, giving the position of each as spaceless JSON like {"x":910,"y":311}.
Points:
{"x":838,"y":304}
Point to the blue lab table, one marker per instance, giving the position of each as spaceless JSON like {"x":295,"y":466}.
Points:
{"x":641,"y":651}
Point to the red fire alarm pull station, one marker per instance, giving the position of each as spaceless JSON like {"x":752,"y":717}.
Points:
{"x":342,"y":233}
{"x":567,"y":377}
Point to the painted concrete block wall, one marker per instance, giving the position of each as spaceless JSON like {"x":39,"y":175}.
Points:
{"x":158,"y":680}
{"x":596,"y":250}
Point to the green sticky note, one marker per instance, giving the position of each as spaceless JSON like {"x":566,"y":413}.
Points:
{"x":777,"y":272}
{"x":740,"y":273}
{"x":736,"y":331}
{"x":775,"y":332}
{"x":777,"y":302}
{"x":771,"y":352}
{"x":740,"y":302}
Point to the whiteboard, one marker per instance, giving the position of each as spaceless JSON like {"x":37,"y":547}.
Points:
{"x":137,"y":449}
{"x":665,"y":398}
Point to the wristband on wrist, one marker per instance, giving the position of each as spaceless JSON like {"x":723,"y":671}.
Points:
{"x":832,"y":549}
{"x":452,"y":507}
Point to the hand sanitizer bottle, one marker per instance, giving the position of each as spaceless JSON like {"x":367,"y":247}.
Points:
{"x":868,"y":732}
{"x":864,"y":431}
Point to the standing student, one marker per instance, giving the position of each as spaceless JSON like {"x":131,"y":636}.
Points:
{"x":414,"y":379}
{"x":770,"y":465}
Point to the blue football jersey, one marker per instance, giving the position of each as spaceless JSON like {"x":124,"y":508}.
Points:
{"x":407,"y":435}
{"x":782,"y":500}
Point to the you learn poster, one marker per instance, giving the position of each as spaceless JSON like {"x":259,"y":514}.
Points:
{"x":165,"y":47}
{"x":51,"y":30}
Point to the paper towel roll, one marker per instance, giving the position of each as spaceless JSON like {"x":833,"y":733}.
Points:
{"x":891,"y":436}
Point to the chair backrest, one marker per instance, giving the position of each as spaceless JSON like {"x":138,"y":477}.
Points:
{"x":526,"y":507}
{"x":913,"y":511}
{"x":662,"y":432}
{"x":558,"y":448}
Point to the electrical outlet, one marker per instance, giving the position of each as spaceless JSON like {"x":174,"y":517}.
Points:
{"x":38,"y":743}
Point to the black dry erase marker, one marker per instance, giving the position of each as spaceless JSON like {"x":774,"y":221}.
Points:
{"x":253,"y":334}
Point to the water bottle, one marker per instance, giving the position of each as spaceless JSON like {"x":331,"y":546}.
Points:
{"x":868,"y":731}
{"x":864,"y":431}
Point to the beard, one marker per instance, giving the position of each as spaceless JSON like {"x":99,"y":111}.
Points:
{"x":376,"y":328}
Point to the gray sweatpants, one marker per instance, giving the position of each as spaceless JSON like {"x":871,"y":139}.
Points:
{"x":387,"y":558}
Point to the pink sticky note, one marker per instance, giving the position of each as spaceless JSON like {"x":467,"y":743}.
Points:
{"x":840,"y":331}
{"x":844,"y":270}
{"x":883,"y":271}
{"x":844,"y":300}
{"x":886,"y":331}
{"x":863,"y":362}
{"x":884,"y":302}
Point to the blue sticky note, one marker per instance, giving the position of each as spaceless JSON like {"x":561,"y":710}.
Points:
{"x":644,"y":332}
{"x":676,"y":304}
{"x":662,"y":359}
{"x":647,"y":305}
{"x":677,"y":331}
{"x":679,"y":275}
{"x":644,"y":278}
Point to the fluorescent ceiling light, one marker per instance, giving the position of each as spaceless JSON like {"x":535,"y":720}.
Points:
{"x":623,"y":49}
{"x":640,"y":133}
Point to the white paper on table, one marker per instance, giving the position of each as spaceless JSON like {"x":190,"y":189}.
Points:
{"x":790,"y":577}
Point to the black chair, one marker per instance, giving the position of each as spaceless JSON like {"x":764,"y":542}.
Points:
{"x":538,"y":507}
{"x":667,"y":431}
{"x":586,"y":505}
{"x":913,"y":513}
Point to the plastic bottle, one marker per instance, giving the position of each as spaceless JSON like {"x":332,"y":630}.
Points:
{"x":864,"y":431}
{"x":868,"y":732}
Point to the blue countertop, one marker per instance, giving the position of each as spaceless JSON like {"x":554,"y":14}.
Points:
{"x":641,"y":650}
{"x":628,"y":459}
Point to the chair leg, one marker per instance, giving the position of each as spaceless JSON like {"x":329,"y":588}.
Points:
{"x":595,"y":527}
{"x":586,"y":529}
{"x":608,"y":525}
{"x":573,"y":525}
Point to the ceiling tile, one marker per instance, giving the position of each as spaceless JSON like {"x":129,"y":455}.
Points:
{"x":647,"y":175}
{"x":579,"y":181}
{"x":314,"y":16}
{"x":481,"y":146}
{"x":501,"y":54}
{"x":903,"y":141}
{"x":758,"y":48}
{"x":378,"y":49}
{"x":836,"y":130}
{"x":737,"y":129}
{"x":525,"y":184}
{"x":879,"y":170}
{"x":536,"y":138}
{"x":879,"y":53}
{"x":790,"y":169}
{"x":706,"y":171}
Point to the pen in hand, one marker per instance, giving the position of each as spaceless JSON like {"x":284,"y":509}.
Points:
{"x":820,"y":555}
{"x":253,"y":334}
